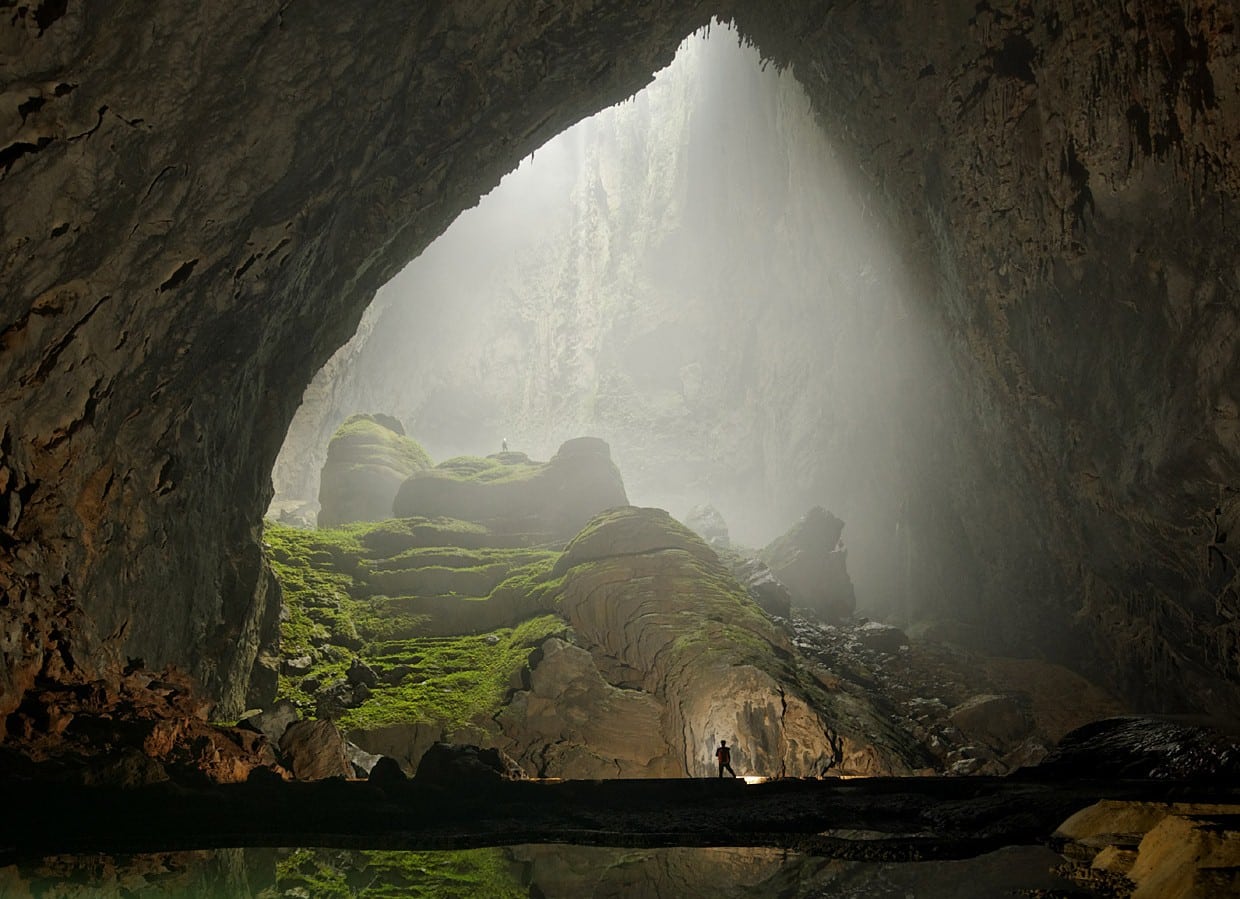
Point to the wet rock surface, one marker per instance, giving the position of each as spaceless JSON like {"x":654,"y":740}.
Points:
{"x":974,"y":713}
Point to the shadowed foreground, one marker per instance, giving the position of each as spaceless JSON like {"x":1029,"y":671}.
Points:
{"x":869,"y":819}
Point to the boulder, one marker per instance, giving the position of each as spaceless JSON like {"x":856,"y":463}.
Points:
{"x":363,"y":762}
{"x":369,"y":457}
{"x":273,"y":722}
{"x":881,"y":637}
{"x":406,"y":743}
{"x":361,"y":674}
{"x":1000,"y":722}
{"x":1168,"y":850}
{"x":811,"y":562}
{"x":1138,"y":747}
{"x":552,"y":500}
{"x":571,"y":722}
{"x":461,"y":764}
{"x":656,"y":612}
{"x":706,"y":521}
{"x":386,"y":772}
{"x":766,"y":589}
{"x":314,"y":750}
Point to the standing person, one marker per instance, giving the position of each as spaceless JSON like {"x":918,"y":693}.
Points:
{"x":724,"y":756}
{"x":503,"y":445}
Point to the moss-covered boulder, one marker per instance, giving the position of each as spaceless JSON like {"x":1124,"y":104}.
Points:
{"x":369,"y":457}
{"x":510,"y":494}
{"x":811,"y":562}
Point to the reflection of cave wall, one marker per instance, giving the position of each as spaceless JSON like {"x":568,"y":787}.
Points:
{"x":196,"y":208}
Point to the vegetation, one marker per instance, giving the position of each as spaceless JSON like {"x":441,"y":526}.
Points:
{"x":448,"y":681}
{"x":487,"y":470}
{"x":378,"y":444}
{"x":347,"y":874}
{"x":334,"y":615}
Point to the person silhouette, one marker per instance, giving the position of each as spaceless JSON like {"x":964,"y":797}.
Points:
{"x":503,"y":445}
{"x":724,"y":755}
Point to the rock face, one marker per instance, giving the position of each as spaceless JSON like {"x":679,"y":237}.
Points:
{"x":672,"y":656}
{"x":810,"y":561}
{"x":369,"y":457}
{"x":509,"y":494}
{"x":179,"y":257}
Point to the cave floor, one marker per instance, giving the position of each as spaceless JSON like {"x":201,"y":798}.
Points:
{"x":872,"y":819}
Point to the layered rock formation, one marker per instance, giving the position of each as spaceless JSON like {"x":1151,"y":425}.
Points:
{"x":509,"y":494}
{"x":368,"y":459}
{"x":195,"y":211}
{"x":676,"y":657}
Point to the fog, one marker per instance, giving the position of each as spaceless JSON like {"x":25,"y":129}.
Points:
{"x":698,"y":277}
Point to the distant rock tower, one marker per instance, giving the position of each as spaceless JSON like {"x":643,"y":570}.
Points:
{"x":369,"y":457}
{"x":810,"y":561}
{"x":707,"y":523}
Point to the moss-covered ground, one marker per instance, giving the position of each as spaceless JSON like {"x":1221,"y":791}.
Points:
{"x":333,"y":614}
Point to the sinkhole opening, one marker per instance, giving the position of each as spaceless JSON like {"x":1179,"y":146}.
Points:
{"x":697,"y":276}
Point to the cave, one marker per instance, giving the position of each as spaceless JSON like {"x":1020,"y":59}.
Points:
{"x":199,"y":206}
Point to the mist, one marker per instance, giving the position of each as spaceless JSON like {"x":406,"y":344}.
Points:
{"x":698,"y":277}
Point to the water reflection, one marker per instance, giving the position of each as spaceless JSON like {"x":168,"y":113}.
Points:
{"x":524,"y":872}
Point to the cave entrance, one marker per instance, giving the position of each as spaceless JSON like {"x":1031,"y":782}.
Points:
{"x":696,"y":276}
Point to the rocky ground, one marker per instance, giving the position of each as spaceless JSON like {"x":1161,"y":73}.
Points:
{"x":974,"y":713}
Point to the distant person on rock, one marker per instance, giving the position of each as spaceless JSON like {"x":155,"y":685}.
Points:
{"x":724,"y":755}
{"x":503,"y":445}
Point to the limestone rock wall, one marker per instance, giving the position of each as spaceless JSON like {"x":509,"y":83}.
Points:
{"x":1063,"y":172}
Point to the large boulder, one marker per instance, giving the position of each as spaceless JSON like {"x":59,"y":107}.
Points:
{"x":461,"y":764}
{"x":679,"y":656}
{"x":314,"y":750}
{"x":369,"y":457}
{"x":810,"y":561}
{"x":511,"y":494}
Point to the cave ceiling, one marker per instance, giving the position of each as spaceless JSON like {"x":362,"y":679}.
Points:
{"x":197,"y":202}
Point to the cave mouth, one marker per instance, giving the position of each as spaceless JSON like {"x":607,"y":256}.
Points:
{"x":179,"y":268}
{"x":697,"y":276}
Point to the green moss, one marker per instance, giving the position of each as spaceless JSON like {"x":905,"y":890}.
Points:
{"x":448,"y":681}
{"x":485,"y":470}
{"x":376,"y":874}
{"x":373,"y":443}
{"x":326,"y":575}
